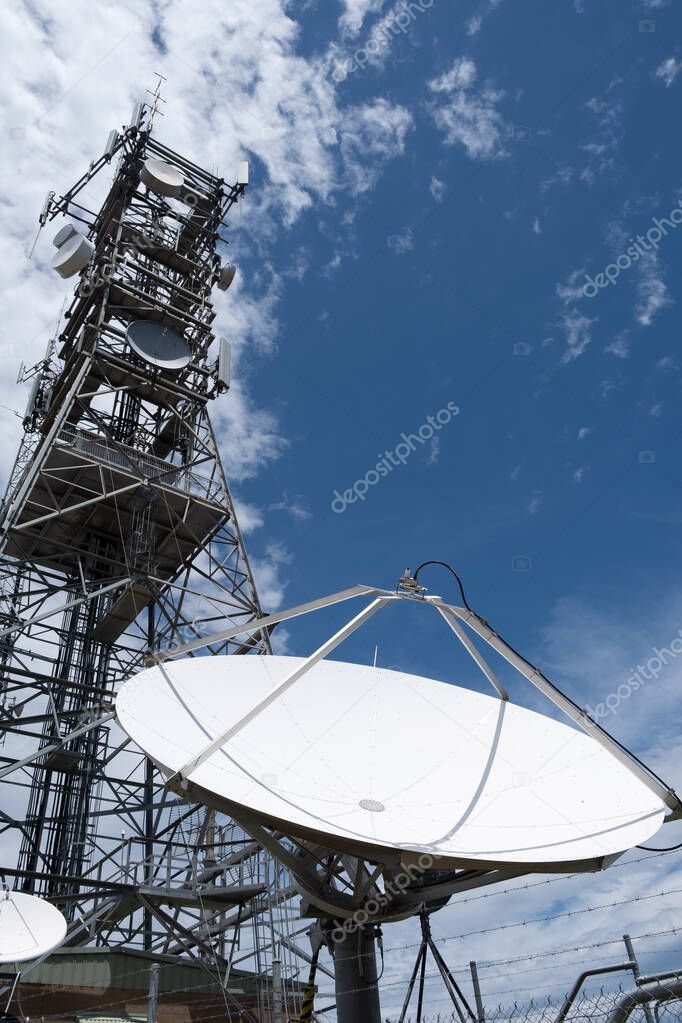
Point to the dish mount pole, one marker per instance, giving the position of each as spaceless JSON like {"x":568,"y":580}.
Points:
{"x":356,"y":977}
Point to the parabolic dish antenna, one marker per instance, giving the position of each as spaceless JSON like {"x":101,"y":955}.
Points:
{"x":370,"y":761}
{"x":162,"y":178}
{"x":74,"y":252}
{"x":226,"y":276}
{"x":158,"y":345}
{"x":63,"y":235}
{"x":29,"y":927}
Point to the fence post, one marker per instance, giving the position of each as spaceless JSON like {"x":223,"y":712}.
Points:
{"x":480,"y":1011}
{"x":153,"y":993}
{"x":636,"y":974}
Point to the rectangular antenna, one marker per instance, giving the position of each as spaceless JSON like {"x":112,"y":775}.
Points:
{"x":137,"y":114}
{"x":224,"y":364}
{"x":243,"y":173}
{"x":112,"y":139}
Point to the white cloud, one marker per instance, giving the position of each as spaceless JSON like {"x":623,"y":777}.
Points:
{"x":467,"y":116}
{"x":438,"y":189}
{"x":620,"y":346}
{"x":578,"y":474}
{"x":668,"y":70}
{"x":434,"y":451}
{"x":249,"y":516}
{"x":533,"y":505}
{"x":476,"y":20}
{"x":537,"y":228}
{"x":656,"y":410}
{"x":602,"y":149}
{"x":292,"y":506}
{"x":354,"y":14}
{"x":652,"y":293}
{"x":515,"y":473}
{"x":237,"y":88}
{"x":666,"y":363}
{"x":584,"y":432}
{"x":575,"y":325}
{"x":577,"y":334}
{"x":572,"y":290}
{"x":267,"y":572}
{"x":402,"y":243}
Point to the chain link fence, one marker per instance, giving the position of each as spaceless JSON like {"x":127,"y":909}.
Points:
{"x":656,"y":1002}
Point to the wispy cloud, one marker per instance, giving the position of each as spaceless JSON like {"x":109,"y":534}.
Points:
{"x":292,"y":506}
{"x":575,"y":325}
{"x":666,"y":363}
{"x":403,"y":242}
{"x":437,"y":189}
{"x":434,"y":451}
{"x":577,"y":333}
{"x":475,"y":22}
{"x":354,"y":14}
{"x":668,"y":70}
{"x":533,"y":506}
{"x":268,"y":574}
{"x":467,"y":114}
{"x":602,"y":148}
{"x":620,"y":346}
{"x":652,"y":293}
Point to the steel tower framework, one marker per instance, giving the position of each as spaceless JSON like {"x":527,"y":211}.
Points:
{"x":119,"y":539}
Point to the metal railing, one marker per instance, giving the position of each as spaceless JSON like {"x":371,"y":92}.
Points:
{"x":121,"y":456}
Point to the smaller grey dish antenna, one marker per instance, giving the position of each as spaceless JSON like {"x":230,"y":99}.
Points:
{"x":29,"y":927}
{"x":158,"y":345}
{"x":63,"y":235}
{"x":226,"y":276}
{"x":162,"y":178}
{"x":74,"y":251}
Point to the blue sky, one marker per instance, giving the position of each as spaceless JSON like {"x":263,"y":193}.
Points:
{"x":417,"y":232}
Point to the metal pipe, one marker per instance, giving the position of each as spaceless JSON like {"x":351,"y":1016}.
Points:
{"x":651,"y":978}
{"x":642,"y":996}
{"x":261,"y":623}
{"x":570,"y":998}
{"x":277,"y":989}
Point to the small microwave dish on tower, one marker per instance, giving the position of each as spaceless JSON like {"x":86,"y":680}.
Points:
{"x":158,"y":345}
{"x":74,"y":251}
{"x":162,"y":178}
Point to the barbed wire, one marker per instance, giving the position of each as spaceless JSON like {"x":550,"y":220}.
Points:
{"x":543,"y":919}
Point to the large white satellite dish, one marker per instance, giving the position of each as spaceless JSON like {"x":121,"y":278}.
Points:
{"x":372,"y":760}
{"x":158,"y":344}
{"x":29,"y":927}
